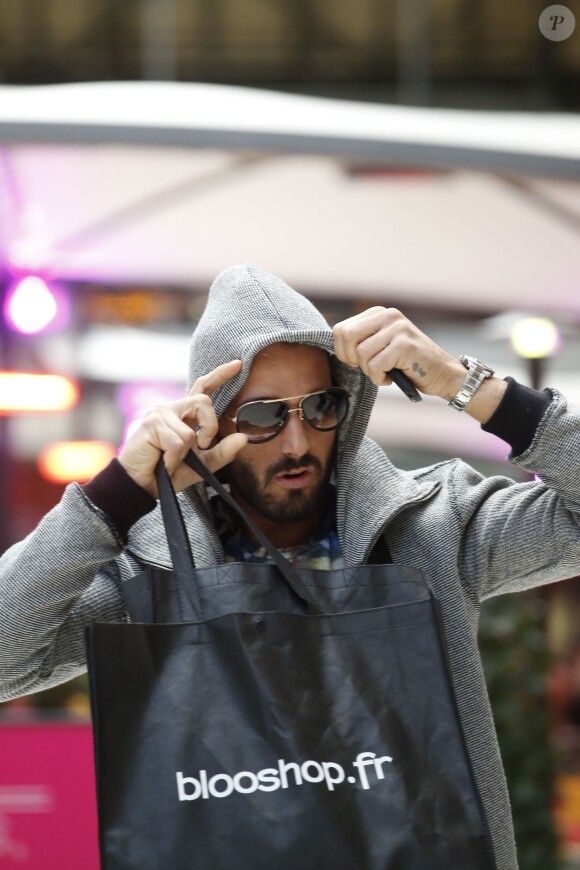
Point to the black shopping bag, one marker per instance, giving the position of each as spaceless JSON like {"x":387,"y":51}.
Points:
{"x":263,"y":718}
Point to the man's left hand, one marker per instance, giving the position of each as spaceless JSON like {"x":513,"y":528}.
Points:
{"x":380,"y":339}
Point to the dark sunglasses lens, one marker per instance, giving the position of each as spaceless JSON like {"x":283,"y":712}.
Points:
{"x":261,"y":420}
{"x":326,"y":410}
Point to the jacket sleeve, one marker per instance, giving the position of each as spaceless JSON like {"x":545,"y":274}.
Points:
{"x":52,"y":584}
{"x":520,"y":535}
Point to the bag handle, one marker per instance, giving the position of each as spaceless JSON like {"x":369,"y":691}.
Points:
{"x":178,"y":541}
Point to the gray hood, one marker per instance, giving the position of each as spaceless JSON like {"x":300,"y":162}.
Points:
{"x":249,"y":309}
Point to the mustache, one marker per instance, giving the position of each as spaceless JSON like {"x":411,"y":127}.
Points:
{"x":288,"y":465}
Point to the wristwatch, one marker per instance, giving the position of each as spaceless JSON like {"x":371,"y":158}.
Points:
{"x":477,"y":372}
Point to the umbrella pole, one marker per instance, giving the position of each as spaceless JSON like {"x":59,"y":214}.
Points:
{"x":158,"y":40}
{"x":414,"y":18}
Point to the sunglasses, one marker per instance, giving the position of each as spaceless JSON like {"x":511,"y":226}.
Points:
{"x":263,"y":419}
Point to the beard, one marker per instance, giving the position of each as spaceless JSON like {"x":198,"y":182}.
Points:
{"x":294,"y":505}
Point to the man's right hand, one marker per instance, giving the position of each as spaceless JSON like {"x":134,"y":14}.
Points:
{"x":175,"y":428}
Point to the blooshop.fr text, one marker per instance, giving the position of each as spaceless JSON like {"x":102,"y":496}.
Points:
{"x":367,"y":767}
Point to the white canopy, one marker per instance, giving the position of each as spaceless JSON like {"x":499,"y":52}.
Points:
{"x":224,"y":174}
{"x":199,"y":115}
{"x":171,"y":182}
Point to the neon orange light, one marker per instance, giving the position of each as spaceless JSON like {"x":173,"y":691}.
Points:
{"x":31,"y":393}
{"x":65,"y":461}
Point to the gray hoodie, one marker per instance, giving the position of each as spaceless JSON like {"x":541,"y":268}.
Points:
{"x":473,"y":537}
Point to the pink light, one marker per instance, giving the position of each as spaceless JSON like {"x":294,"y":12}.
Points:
{"x":135,"y":399}
{"x":32,"y":306}
{"x":139,"y":397}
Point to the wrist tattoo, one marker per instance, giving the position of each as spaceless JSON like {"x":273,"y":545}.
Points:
{"x":421,"y":372}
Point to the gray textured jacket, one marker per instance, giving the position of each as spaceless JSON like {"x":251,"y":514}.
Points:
{"x":473,"y":537}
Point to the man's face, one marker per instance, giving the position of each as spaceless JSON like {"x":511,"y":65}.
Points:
{"x":264,"y":475}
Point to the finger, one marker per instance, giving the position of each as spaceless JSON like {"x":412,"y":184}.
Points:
{"x":213,"y":380}
{"x":199,"y":412}
{"x":342,"y":345}
{"x":377,"y":367}
{"x":170,"y":436}
{"x":349,"y":333}
{"x":225,"y":451}
{"x":155,"y":436}
{"x":380,"y":344}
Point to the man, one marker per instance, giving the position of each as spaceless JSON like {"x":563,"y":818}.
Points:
{"x":301,"y":466}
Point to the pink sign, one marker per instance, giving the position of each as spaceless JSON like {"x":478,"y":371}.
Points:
{"x":48,"y":816}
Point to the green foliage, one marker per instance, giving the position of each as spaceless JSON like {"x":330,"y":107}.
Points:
{"x":516,"y":661}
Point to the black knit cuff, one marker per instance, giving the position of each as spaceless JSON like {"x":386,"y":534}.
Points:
{"x":117,"y":495}
{"x":518,"y":415}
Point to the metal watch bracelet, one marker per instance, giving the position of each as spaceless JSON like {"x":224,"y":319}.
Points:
{"x":477,"y":373}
